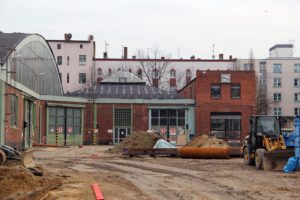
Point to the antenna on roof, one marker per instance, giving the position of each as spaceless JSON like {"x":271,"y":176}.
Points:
{"x":106,"y":46}
{"x":213,"y":51}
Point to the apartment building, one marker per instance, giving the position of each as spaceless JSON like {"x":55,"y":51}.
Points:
{"x":75,"y":61}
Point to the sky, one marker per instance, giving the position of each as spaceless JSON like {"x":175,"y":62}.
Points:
{"x":179,"y":28}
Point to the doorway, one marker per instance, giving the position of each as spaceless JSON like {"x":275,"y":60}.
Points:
{"x":28,"y":124}
{"x":120,"y":134}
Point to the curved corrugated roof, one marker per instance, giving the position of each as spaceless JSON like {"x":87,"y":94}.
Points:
{"x":125,"y":91}
{"x":8,"y":42}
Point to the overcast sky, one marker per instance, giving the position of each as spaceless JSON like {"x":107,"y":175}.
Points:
{"x":190,"y":26}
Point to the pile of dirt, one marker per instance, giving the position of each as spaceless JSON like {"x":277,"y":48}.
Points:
{"x":17,"y":182}
{"x":137,"y":140}
{"x":207,"y":141}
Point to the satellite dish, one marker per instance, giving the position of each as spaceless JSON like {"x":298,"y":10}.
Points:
{"x":69,"y":35}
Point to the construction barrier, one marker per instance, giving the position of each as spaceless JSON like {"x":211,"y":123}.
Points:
{"x":204,"y":152}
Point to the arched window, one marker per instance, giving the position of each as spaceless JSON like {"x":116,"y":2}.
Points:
{"x":109,"y":72}
{"x":188,"y":73}
{"x":130,"y":70}
{"x":99,"y":71}
{"x":140,"y":73}
{"x":173,"y":73}
{"x":155,"y":73}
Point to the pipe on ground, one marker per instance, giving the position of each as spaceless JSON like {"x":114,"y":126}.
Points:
{"x":204,"y":152}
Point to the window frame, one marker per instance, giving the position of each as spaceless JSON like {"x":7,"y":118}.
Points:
{"x":277,"y":82}
{"x":82,"y":60}
{"x":82,"y":78}
{"x":297,"y":68}
{"x":277,"y":68}
{"x":59,"y":60}
{"x":277,"y":96}
{"x":234,"y":86}
{"x":14,"y":107}
{"x":211,"y":90}
{"x":277,"y":111}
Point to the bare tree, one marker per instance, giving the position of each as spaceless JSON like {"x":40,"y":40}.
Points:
{"x":154,"y":65}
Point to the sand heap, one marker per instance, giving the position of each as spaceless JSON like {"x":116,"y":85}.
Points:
{"x":137,"y":140}
{"x":207,"y":141}
{"x":17,"y":182}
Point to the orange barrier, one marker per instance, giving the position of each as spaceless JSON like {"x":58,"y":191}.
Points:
{"x":204,"y":152}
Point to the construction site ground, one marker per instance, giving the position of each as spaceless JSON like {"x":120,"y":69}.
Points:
{"x":71,"y":171}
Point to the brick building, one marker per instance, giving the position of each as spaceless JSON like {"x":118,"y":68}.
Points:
{"x":224,"y":102}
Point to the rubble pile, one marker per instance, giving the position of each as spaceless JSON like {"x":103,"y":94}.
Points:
{"x":207,"y":141}
{"x":137,"y":140}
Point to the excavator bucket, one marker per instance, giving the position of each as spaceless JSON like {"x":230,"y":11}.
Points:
{"x":277,"y":159}
{"x":27,"y":158}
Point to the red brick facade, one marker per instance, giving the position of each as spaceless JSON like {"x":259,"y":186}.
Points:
{"x":205,"y":104}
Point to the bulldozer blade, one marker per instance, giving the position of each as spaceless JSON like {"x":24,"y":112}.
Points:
{"x":277,"y":159}
{"x":27,"y":158}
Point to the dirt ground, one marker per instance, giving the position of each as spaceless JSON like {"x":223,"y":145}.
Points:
{"x":75,"y":169}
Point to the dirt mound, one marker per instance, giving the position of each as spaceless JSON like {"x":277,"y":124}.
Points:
{"x":207,"y":141}
{"x":137,"y":140}
{"x":17,"y":182}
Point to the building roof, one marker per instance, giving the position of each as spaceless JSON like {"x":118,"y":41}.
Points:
{"x":125,"y":91}
{"x":281,"y":46}
{"x":122,"y":77}
{"x":8,"y":42}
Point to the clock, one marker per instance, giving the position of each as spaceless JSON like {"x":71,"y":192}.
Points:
{"x":225,"y":78}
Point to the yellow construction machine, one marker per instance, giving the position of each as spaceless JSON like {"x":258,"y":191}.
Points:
{"x":265,"y":147}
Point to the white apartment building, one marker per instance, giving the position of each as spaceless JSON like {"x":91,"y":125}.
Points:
{"x":75,"y":61}
{"x":278,"y":80}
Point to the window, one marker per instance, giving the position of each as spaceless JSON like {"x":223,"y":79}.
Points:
{"x":297,"y":112}
{"x":296,"y":82}
{"x":99,"y":71}
{"x":82,"y":59}
{"x":172,"y":73}
{"x":277,"y":111}
{"x":297,"y":96}
{"x":140,"y":73}
{"x":262,"y":81}
{"x":188,"y":73}
{"x":277,"y":68}
{"x":130,"y":70}
{"x":277,"y":96}
{"x":277,"y":82}
{"x":235,"y":91}
{"x":13,"y":111}
{"x":109,"y":72}
{"x":68,"y":77}
{"x":82,"y":78}
{"x":68,"y":60}
{"x":81,"y":46}
{"x":245,"y":66}
{"x":161,"y":118}
{"x":122,"y":117}
{"x":59,"y":60}
{"x":58,"y":46}
{"x":155,"y":73}
{"x":215,"y":91}
{"x":226,"y":126}
{"x":262,"y":66}
{"x":297,"y":68}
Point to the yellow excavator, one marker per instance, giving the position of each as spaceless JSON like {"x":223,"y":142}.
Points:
{"x":265,"y":147}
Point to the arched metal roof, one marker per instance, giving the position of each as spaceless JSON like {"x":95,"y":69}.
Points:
{"x":28,"y":60}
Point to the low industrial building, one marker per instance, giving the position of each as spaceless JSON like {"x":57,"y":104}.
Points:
{"x":224,"y":100}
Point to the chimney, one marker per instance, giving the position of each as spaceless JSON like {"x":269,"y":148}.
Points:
{"x":192,"y":57}
{"x":90,"y":37}
{"x":230,"y":57}
{"x":105,"y":55}
{"x":220,"y":56}
{"x":163,"y":58}
{"x":68,"y":36}
{"x":133,"y":57}
{"x":125,"y":53}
